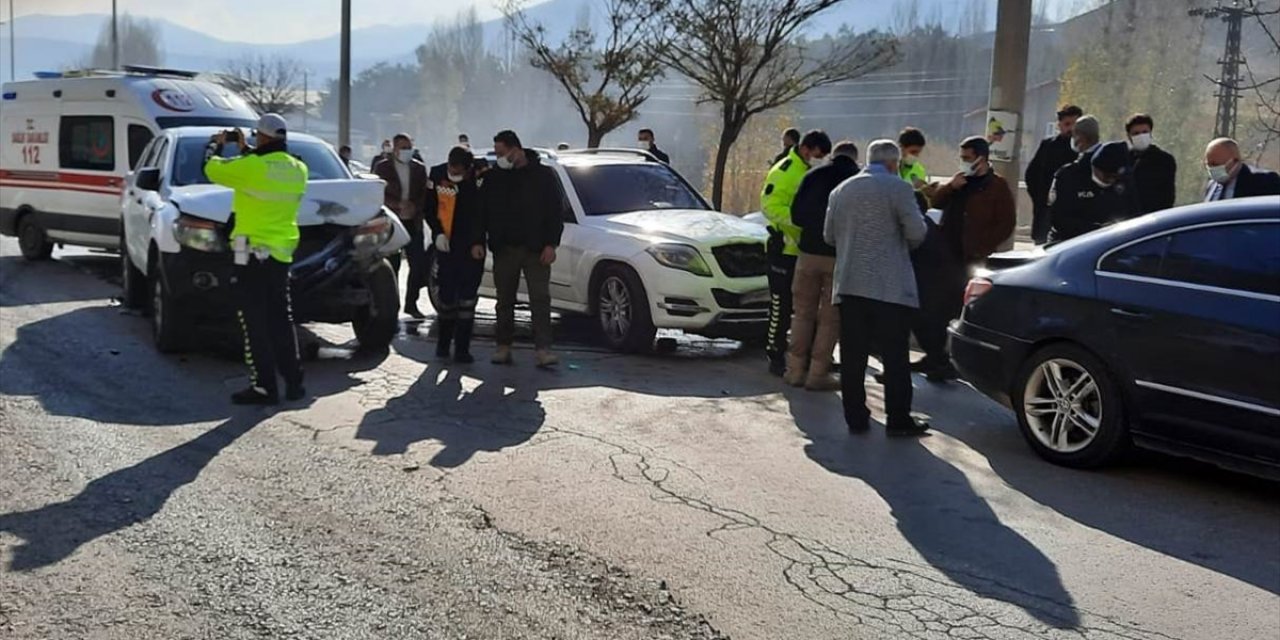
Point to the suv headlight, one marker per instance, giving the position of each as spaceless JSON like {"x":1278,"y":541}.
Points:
{"x":373,"y":234}
{"x":680,"y":256}
{"x":200,"y":234}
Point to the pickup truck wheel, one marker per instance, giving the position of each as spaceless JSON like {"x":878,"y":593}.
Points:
{"x":132,"y":281}
{"x":32,"y":240}
{"x":623,"y":310}
{"x":168,"y":327}
{"x":376,"y":325}
{"x":433,"y":278}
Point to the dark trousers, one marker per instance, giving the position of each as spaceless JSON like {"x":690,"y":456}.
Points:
{"x":1040,"y":224}
{"x":456,"y":283}
{"x":782,"y":273}
{"x":941,"y":289}
{"x":508,"y":264}
{"x":261,"y":290}
{"x":415,"y":254}
{"x":867,"y":325}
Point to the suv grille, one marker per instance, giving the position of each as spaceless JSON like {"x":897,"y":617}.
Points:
{"x":742,"y":260}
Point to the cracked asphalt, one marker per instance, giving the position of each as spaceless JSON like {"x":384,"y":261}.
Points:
{"x":682,"y":495}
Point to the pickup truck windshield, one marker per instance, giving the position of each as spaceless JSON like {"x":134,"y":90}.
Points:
{"x":322,"y":163}
{"x":622,"y":188}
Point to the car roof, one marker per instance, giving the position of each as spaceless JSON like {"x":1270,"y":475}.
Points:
{"x":1254,"y":208}
{"x":597,"y":157}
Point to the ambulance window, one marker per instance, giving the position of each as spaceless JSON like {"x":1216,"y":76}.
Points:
{"x":87,"y":142}
{"x":139,"y":136}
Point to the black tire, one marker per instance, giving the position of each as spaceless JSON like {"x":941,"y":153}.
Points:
{"x":169,"y":328}
{"x":377,"y":325}
{"x":622,"y":310}
{"x":433,"y":276}
{"x":133,"y":282}
{"x":32,"y":240}
{"x":1056,"y":421}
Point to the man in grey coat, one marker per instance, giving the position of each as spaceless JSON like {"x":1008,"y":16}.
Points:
{"x":874,"y":222}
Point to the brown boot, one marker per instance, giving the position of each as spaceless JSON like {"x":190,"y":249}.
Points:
{"x":820,"y":377}
{"x":795,"y":373}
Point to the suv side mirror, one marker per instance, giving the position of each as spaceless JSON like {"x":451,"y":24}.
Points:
{"x":148,"y":179}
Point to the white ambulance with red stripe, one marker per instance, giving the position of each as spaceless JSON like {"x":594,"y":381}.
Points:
{"x":67,"y":140}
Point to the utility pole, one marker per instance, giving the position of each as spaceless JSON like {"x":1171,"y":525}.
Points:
{"x":1230,"y":82}
{"x":306,"y":73}
{"x":13,"y":74}
{"x":344,"y":78}
{"x":115,"y":38}
{"x":1009,"y":87}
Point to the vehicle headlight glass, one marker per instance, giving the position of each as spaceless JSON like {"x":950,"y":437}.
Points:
{"x":679,"y":256}
{"x":373,"y":234}
{"x":200,"y":234}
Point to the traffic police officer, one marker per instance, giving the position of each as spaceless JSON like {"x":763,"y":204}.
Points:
{"x":268,"y":184}
{"x":780,"y":188}
{"x":1092,"y":192}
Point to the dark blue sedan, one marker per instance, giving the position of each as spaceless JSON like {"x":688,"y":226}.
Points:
{"x":1161,"y":332}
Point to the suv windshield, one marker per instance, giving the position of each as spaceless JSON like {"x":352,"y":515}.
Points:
{"x":623,"y":188}
{"x":322,"y":163}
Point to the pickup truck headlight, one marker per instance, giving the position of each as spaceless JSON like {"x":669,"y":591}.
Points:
{"x":680,"y":256}
{"x":200,"y":234}
{"x":373,"y":234}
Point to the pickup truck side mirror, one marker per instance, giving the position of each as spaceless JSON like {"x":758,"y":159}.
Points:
{"x":148,"y":179}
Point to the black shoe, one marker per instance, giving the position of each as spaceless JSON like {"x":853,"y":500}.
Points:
{"x":777,"y":367}
{"x":858,"y":426}
{"x":295,"y":392}
{"x":445,"y":330}
{"x":463,"y":358}
{"x":942,"y":374}
{"x":915,"y":427}
{"x":254,"y":396}
{"x":411,"y":308}
{"x":923,"y":365}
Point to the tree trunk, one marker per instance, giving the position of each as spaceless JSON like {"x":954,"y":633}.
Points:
{"x":729,"y":132}
{"x":594,"y":137}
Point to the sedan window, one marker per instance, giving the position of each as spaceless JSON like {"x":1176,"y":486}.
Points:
{"x":1141,"y":259}
{"x":1242,"y":257}
{"x":622,"y":188}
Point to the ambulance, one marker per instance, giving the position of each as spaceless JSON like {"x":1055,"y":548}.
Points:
{"x":67,"y":141}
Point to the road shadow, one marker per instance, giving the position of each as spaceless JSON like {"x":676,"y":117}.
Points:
{"x":1223,"y":521}
{"x":119,"y":499}
{"x":937,"y":510}
{"x":57,"y":283}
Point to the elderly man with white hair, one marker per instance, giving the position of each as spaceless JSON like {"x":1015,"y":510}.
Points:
{"x":874,"y":222}
{"x":1230,"y":177}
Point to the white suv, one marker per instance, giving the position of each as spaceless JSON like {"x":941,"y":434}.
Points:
{"x":643,"y":251}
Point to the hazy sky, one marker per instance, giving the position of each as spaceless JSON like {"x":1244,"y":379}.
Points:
{"x":275,"y":21}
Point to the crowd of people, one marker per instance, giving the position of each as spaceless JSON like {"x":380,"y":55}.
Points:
{"x":866,"y":256}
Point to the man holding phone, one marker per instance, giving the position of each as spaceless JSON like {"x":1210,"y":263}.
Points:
{"x":268,"y":185}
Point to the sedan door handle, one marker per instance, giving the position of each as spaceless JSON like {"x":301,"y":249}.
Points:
{"x":1125,"y":313}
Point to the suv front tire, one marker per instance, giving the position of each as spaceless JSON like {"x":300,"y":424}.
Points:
{"x":622,"y":309}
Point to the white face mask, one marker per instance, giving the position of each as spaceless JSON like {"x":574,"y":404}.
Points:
{"x":386,"y":150}
{"x":910,"y":160}
{"x":404,"y":155}
{"x":1140,"y":142}
{"x":505,"y":163}
{"x":1220,"y":174}
{"x":814,"y":163}
{"x":970,"y":169}
{"x":1075,"y":147}
{"x":456,"y":177}
{"x":1101,"y":184}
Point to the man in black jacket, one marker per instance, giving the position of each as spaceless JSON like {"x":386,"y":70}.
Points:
{"x":1155,"y":170}
{"x":1092,"y":192}
{"x":453,"y":214}
{"x":521,"y":223}
{"x":815,"y":322}
{"x":1053,"y":153}
{"x":406,"y":195}
{"x":649,"y":143}
{"x":1230,"y":177}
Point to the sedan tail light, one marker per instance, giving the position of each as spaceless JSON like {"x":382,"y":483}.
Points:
{"x":976,"y":288}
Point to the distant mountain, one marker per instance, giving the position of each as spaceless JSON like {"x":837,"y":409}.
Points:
{"x":47,"y":42}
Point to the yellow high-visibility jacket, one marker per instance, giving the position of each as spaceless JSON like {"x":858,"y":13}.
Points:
{"x":780,"y":188}
{"x":268,"y":190}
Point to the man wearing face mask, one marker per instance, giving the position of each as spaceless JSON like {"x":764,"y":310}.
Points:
{"x":1053,"y":152}
{"x":521,"y":222}
{"x":779,"y":191}
{"x":385,"y":154}
{"x":1154,"y":169}
{"x":406,"y":195}
{"x":1092,"y":192}
{"x":978,"y":215}
{"x":453,"y":214}
{"x":1230,"y":177}
{"x":911,"y":141}
{"x":790,"y":138}
{"x":648,"y":144}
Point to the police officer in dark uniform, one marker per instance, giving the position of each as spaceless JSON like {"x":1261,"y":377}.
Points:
{"x":1053,"y":153}
{"x":453,"y":214}
{"x":1092,"y":192}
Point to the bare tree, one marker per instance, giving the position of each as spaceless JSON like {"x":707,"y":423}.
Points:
{"x":747,"y":58}
{"x":140,"y":43}
{"x":270,"y":84}
{"x":607,"y":85}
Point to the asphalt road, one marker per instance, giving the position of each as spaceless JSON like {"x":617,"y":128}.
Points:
{"x":683,"y":495}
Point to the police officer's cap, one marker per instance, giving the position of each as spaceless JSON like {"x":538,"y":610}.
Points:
{"x":1112,"y":157}
{"x":272,"y":125}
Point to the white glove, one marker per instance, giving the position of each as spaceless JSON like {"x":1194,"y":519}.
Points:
{"x":442,"y":243}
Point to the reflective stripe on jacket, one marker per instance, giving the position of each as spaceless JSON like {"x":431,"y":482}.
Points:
{"x":268,"y":190}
